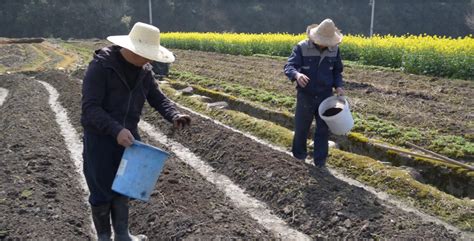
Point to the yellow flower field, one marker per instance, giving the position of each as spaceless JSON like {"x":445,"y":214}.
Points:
{"x":430,"y":55}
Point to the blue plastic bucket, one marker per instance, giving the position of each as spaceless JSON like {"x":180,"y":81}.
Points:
{"x":139,"y":170}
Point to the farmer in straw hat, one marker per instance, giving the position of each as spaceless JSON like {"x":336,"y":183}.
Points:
{"x":316,"y":66}
{"x":115,"y":87}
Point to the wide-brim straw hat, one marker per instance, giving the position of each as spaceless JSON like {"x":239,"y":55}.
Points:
{"x":326,"y":34}
{"x":144,"y":40}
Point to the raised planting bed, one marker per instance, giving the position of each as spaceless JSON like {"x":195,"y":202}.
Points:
{"x":389,"y":179}
{"x":41,"y":197}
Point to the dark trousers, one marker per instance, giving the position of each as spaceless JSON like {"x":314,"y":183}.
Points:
{"x":102,"y":155}
{"x":306,"y":110}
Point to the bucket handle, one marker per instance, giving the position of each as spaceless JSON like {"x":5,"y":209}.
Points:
{"x":138,"y":143}
{"x":346,"y":100}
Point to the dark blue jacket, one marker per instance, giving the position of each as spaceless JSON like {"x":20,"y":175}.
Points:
{"x":324,"y":69}
{"x":108,"y":104}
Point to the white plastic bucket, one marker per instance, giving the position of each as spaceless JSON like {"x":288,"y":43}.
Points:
{"x":340,"y":123}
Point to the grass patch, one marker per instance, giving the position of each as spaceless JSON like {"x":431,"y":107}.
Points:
{"x":254,"y":109}
{"x":266,"y":98}
{"x":26,"y":193}
{"x":236,"y":119}
{"x":370,"y":125}
{"x":37,"y":63}
{"x":449,"y":145}
{"x":84,"y":54}
{"x":65,"y":61}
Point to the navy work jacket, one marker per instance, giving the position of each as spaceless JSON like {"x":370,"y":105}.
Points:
{"x":323,"y":68}
{"x":109,"y":105}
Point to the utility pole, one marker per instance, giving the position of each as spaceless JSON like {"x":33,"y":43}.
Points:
{"x":149,"y":11}
{"x":372,"y":3}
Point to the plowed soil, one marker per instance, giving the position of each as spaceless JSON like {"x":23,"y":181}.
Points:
{"x":309,"y":199}
{"x":184,"y":204}
{"x":41,"y":198}
{"x":444,"y":105}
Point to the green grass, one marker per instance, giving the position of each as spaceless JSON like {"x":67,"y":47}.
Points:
{"x":280,"y":135}
{"x":26,"y":193}
{"x":84,"y":53}
{"x":264,"y":97}
{"x":39,"y":62}
{"x":452,"y":146}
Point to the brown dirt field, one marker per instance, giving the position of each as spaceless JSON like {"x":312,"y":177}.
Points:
{"x":184,"y":204}
{"x":13,"y":56}
{"x":40,"y":196}
{"x":37,"y":181}
{"x":311,"y":201}
{"x":408,"y":100}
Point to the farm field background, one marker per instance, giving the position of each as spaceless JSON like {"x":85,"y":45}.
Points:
{"x":388,"y":105}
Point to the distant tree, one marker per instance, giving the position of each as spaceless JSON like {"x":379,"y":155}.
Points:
{"x":63,"y":18}
{"x":9,"y":15}
{"x":100,"y":18}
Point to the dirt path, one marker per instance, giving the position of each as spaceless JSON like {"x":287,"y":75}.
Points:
{"x":40,"y":196}
{"x":184,"y":204}
{"x":408,"y":100}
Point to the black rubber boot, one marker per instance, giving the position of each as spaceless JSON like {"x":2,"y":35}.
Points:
{"x":101,"y":218}
{"x":120,"y":220}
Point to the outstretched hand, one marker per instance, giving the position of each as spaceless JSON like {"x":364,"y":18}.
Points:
{"x":181,"y":121}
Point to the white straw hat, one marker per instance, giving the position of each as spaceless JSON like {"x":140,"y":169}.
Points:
{"x":144,"y":40}
{"x":326,"y":34}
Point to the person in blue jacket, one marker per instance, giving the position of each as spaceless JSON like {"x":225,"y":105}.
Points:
{"x":116,"y":84}
{"x":316,"y":66}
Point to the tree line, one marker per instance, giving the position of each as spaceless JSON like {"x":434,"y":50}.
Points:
{"x":100,"y":18}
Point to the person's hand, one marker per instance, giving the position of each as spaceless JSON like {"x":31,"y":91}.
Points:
{"x":181,"y":121}
{"x":125,"y":138}
{"x":302,"y":79}
{"x":340,"y":91}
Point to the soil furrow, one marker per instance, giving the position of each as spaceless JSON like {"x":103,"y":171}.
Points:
{"x":440,"y":104}
{"x":40,"y":194}
{"x":307,"y":198}
{"x":184,"y":205}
